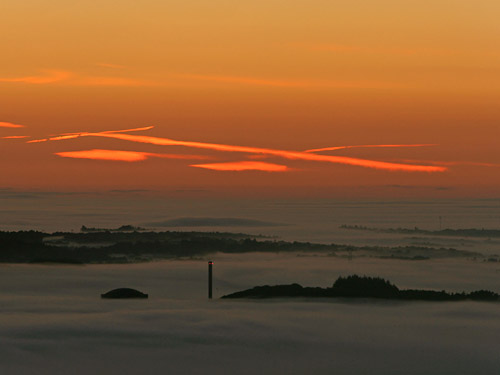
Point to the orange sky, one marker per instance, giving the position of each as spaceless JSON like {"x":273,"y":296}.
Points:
{"x":280,"y":76}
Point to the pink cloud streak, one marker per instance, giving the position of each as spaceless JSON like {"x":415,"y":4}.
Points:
{"x":51,"y":76}
{"x":369,"y":146}
{"x":292,"y":155}
{"x":127,"y":156}
{"x":238,"y":166}
{"x":10,"y":125}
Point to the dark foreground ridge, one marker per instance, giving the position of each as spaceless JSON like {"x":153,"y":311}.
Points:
{"x":361,"y":287}
{"x":126,"y":246}
{"x":124,"y":293}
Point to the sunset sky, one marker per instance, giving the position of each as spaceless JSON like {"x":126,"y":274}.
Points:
{"x":248,"y":97}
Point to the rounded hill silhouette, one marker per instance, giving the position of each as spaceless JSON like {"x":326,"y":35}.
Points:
{"x":124,"y":293}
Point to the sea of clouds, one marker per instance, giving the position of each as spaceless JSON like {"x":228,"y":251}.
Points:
{"x":53,"y":321}
{"x":313,"y":220}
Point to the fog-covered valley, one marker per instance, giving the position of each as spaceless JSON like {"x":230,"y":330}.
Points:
{"x":53,"y":321}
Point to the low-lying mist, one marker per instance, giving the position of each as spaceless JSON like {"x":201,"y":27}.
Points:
{"x":52,"y":320}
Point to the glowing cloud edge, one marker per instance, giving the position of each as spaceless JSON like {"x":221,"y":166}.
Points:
{"x":292,"y":155}
{"x":240,"y":166}
{"x":125,"y":156}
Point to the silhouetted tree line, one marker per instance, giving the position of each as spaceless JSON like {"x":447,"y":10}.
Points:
{"x":355,"y":286}
{"x":30,"y":247}
{"x":123,"y":247}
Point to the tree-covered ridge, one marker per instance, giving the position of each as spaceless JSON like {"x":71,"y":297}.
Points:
{"x":128,"y":247}
{"x":355,"y":286}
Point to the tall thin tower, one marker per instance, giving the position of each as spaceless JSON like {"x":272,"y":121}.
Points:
{"x":210,"y":264}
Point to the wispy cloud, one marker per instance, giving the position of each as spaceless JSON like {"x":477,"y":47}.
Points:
{"x":75,"y":79}
{"x":81,"y":134}
{"x":369,"y":146}
{"x":127,"y":156}
{"x":452,"y":163}
{"x":130,"y":130}
{"x":15,"y":137}
{"x":50,"y":76}
{"x":10,"y":125}
{"x":61,"y":137}
{"x":114,"y":155}
{"x":239,"y":166}
{"x":68,"y":78}
{"x":292,"y":155}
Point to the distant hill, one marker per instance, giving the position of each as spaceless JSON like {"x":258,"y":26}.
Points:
{"x":355,"y":286}
{"x":212,"y":222}
{"x":123,"y":228}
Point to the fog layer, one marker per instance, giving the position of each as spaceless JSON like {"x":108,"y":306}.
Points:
{"x":52,"y":320}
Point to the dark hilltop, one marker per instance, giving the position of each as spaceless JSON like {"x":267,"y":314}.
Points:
{"x":361,"y":287}
{"x":122,"y":293}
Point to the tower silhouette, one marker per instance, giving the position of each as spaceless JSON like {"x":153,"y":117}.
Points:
{"x":210,"y":264}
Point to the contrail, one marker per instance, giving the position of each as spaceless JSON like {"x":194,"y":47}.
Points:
{"x":292,"y":155}
{"x":369,"y":146}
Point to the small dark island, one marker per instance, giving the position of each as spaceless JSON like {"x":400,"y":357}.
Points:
{"x":122,"y":293}
{"x":361,"y":287}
